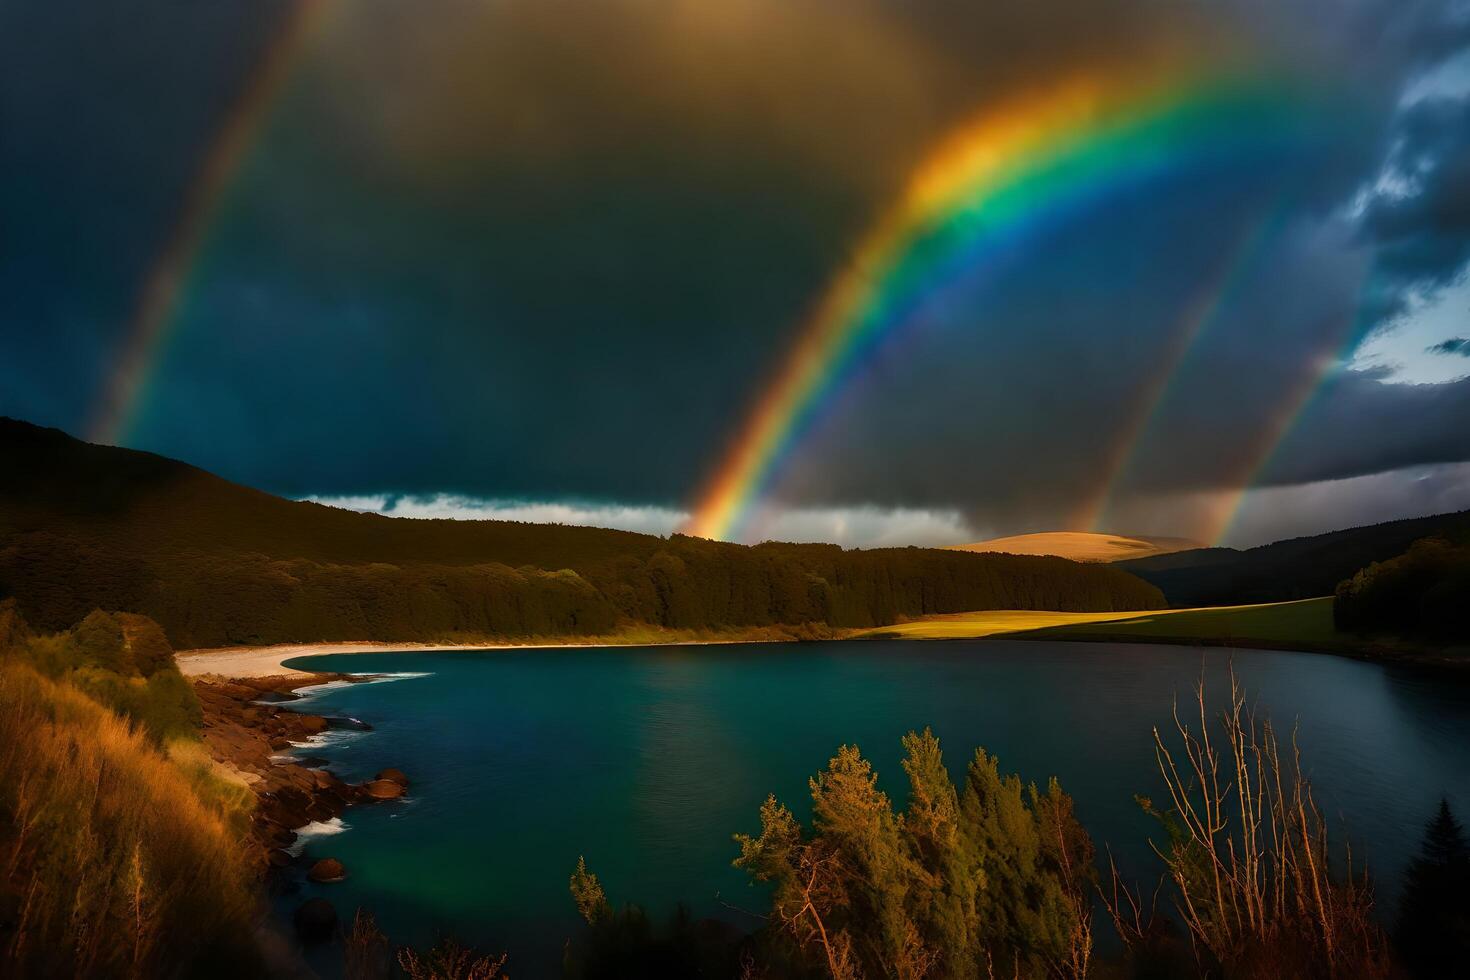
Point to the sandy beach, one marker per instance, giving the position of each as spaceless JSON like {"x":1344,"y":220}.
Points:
{"x":268,"y":661}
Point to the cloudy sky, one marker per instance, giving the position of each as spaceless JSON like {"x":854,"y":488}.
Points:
{"x":539,"y":260}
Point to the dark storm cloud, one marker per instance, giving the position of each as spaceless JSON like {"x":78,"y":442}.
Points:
{"x":105,"y":112}
{"x":553,"y":250}
{"x":1419,"y":223}
{"x":1453,"y":345}
{"x":1361,"y":425}
{"x":968,"y":399}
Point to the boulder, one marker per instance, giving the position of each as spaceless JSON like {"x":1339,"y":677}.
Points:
{"x":287,"y":807}
{"x":315,"y":920}
{"x":395,"y":776}
{"x":312,"y":724}
{"x":383,"y":789}
{"x":235,"y":691}
{"x":320,"y":811}
{"x":327,"y":869}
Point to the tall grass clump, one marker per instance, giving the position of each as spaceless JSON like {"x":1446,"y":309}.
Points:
{"x":1248,"y":857}
{"x":111,"y":862}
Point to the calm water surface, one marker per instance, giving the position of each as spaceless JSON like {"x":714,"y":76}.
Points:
{"x":646,"y":760}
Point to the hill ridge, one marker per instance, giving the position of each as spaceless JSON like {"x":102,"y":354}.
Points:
{"x":218,"y":564}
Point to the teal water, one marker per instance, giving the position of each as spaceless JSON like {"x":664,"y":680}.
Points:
{"x":646,"y":760}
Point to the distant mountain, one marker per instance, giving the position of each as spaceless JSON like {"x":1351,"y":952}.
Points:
{"x":215,"y":563}
{"x":1299,"y":568}
{"x":1082,"y":545}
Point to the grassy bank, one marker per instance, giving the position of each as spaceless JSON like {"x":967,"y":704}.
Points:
{"x":1305,"y":624}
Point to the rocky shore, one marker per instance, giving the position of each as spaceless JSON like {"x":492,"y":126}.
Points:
{"x":248,"y":728}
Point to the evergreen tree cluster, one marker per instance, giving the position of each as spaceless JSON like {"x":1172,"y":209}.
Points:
{"x":1434,"y":915}
{"x":990,"y":878}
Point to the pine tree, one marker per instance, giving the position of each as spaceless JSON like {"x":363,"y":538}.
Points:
{"x":957,"y":885}
{"x":1434,"y":916}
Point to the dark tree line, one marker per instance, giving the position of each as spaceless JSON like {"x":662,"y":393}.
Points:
{"x":1423,"y":593}
{"x":216,"y":600}
{"x":1298,"y":568}
{"x":85,"y":527}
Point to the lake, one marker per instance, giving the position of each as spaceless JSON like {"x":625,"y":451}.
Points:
{"x":646,"y":760}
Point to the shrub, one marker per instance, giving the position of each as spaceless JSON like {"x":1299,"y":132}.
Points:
{"x":122,"y":660}
{"x":1248,"y":856}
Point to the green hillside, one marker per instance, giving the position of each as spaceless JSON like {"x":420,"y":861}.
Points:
{"x":85,"y":527}
{"x":1305,"y":624}
{"x":1298,"y":568}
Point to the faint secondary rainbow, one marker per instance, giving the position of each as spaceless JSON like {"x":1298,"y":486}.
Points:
{"x":1007,"y":176}
{"x":1315,"y":379}
{"x":163,"y":290}
{"x":1210,"y":302}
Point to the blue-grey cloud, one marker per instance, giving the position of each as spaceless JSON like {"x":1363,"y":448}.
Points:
{"x":1451,"y":345}
{"x":1419,"y":219}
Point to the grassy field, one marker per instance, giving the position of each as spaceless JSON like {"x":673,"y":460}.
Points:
{"x":973,"y":625}
{"x":1306,"y":624}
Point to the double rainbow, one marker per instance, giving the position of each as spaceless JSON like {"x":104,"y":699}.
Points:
{"x":1008,"y":176}
{"x":168,"y":281}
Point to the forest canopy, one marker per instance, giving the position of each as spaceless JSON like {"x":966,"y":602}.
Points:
{"x":83,"y":527}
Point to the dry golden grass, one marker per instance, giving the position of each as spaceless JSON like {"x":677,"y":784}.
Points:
{"x":118,"y":861}
{"x":1081,"y":545}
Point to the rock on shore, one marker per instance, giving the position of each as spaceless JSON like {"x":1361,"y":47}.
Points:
{"x":248,"y":737}
{"x":327,"y":870}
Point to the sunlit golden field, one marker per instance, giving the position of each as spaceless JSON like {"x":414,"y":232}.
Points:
{"x":1082,"y":545}
{"x":972,"y":625}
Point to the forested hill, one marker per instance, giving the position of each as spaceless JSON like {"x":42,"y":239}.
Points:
{"x":1299,"y":568}
{"x":84,"y":527}
{"x":150,"y":504}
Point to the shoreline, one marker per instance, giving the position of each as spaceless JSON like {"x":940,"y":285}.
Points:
{"x":257,"y":663}
{"x":269,"y":661}
{"x":247,"y":662}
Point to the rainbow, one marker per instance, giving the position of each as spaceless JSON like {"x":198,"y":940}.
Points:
{"x":1007,"y":176}
{"x":1315,"y":379}
{"x":1211,"y":301}
{"x":163,"y":290}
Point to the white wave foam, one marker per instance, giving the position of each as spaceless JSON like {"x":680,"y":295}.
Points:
{"x":383,"y":677}
{"x":313,"y":690}
{"x":331,"y":738}
{"x":317,"y":828}
{"x":359,"y":677}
